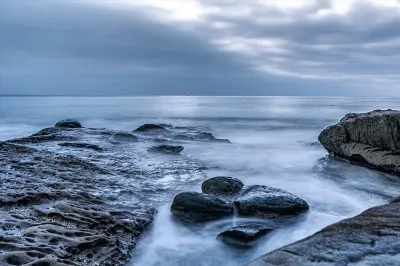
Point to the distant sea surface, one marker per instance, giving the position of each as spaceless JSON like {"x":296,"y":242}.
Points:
{"x":274,"y":142}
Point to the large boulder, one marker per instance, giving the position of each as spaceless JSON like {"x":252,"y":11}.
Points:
{"x":371,"y":238}
{"x":371,"y":139}
{"x":222,"y":186}
{"x":269,"y":202}
{"x":198,"y":207}
{"x":244,"y":235}
{"x":69,"y":123}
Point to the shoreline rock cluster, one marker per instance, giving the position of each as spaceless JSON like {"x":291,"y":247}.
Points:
{"x":369,"y":139}
{"x":221,"y":196}
{"x":63,"y":187}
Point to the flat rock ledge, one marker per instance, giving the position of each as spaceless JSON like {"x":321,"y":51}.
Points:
{"x":371,"y":238}
{"x":371,"y":139}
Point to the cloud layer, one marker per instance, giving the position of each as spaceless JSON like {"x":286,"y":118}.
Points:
{"x":202,"y":47}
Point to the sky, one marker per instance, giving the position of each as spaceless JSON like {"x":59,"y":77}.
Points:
{"x":200,"y":47}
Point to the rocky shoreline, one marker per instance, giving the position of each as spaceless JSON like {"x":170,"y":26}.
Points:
{"x":372,"y":238}
{"x":71,"y":195}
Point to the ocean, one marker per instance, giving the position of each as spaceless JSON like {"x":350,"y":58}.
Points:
{"x":274,"y":143}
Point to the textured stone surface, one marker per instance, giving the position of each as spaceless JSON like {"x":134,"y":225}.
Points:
{"x":64,"y":202}
{"x":371,"y":238}
{"x":47,"y":216}
{"x":244,"y":235}
{"x":269,"y":202}
{"x":80,"y":145}
{"x":222,"y":186}
{"x":371,"y":139}
{"x":198,"y":207}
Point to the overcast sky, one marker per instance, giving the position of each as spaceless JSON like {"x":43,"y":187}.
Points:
{"x":200,"y":47}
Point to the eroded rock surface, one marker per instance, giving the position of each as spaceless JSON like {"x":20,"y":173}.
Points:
{"x":269,"y":202}
{"x":222,"y":186}
{"x":198,"y":207}
{"x":371,"y":238}
{"x":371,"y":139}
{"x":63,"y":202}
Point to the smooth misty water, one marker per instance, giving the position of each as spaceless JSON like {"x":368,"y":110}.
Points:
{"x":274,"y":143}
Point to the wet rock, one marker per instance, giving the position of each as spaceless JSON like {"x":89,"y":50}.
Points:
{"x":48,"y":214}
{"x":80,"y":145}
{"x":222,"y":186}
{"x":244,"y":235}
{"x":69,"y":123}
{"x":125,"y":137}
{"x":150,"y":127}
{"x":169,"y":149}
{"x":371,"y":139}
{"x":198,"y":207}
{"x":269,"y":202}
{"x":371,"y":238}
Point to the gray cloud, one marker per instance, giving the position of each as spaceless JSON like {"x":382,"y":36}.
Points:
{"x":59,"y":47}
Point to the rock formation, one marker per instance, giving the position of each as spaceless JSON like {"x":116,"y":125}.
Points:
{"x":371,"y":139}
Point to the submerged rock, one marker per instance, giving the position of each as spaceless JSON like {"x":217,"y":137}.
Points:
{"x":198,"y":207}
{"x":125,"y":137}
{"x":244,"y":235}
{"x":81,"y":145}
{"x":222,"y":186}
{"x":269,"y":202}
{"x":371,"y":139}
{"x":167,"y":149}
{"x":150,"y":127}
{"x":371,"y":238}
{"x":69,"y":123}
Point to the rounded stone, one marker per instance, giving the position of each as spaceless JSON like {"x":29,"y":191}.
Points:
{"x":222,"y":186}
{"x":269,"y":202}
{"x":150,"y":127}
{"x":69,"y":123}
{"x":195,"y":207}
{"x":244,"y":235}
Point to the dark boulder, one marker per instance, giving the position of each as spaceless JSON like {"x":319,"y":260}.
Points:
{"x":169,"y":149}
{"x":125,"y":137}
{"x":69,"y":123}
{"x":150,"y":127}
{"x":244,"y":235}
{"x":198,"y":207}
{"x":371,"y":238}
{"x":269,"y":202}
{"x":222,"y":186}
{"x":371,"y":139}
